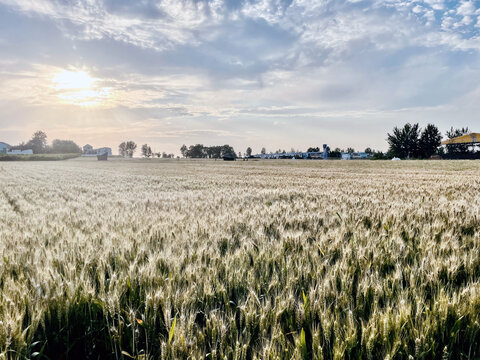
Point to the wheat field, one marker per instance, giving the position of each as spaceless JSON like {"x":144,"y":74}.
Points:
{"x":178,"y":259}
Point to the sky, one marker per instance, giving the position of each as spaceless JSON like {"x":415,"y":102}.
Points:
{"x":267,"y":73}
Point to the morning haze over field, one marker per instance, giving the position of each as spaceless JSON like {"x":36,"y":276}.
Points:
{"x":299,"y":73}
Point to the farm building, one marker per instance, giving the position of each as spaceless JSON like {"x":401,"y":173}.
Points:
{"x":88,"y":150}
{"x":4,"y":147}
{"x":356,"y":155}
{"x":229,"y":157}
{"x":20,"y":152}
{"x":360,"y":155}
{"x":104,"y":150}
{"x":468,"y":139}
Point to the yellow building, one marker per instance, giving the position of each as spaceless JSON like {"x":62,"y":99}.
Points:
{"x":471,"y":139}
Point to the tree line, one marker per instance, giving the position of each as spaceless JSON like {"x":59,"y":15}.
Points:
{"x":128,"y":148}
{"x":413,"y":142}
{"x":410,"y":141}
{"x":212,"y":152}
{"x":39,"y":145}
{"x":147,"y":152}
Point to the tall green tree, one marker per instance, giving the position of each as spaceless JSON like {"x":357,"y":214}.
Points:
{"x":131,"y":147}
{"x":183,"y":150}
{"x":337,"y":153}
{"x":429,"y":142}
{"x":404,"y":142}
{"x":38,"y":142}
{"x":196,"y":151}
{"x":146,"y":151}
{"x":248,"y":152}
{"x":227,"y":150}
{"x":122,"y":149}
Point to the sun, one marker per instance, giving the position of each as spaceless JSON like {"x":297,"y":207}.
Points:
{"x":79,"y":88}
{"x":73,"y":80}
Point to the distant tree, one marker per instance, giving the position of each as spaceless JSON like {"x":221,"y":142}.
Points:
{"x":158,"y":154}
{"x":21,"y":146}
{"x":379,"y":155}
{"x":196,"y":151}
{"x":131,"y":147}
{"x":38,"y":142}
{"x":263,"y":151}
{"x":337,"y":153}
{"x":239,"y":154}
{"x":146,"y":151}
{"x":226,"y":150}
{"x":404,"y":142}
{"x":213,"y":152}
{"x":429,"y":142}
{"x":368,"y":150}
{"x":313,"y":149}
{"x":122,"y":149}
{"x":441,"y":151}
{"x":64,"y":147}
{"x":350,"y":150}
{"x":248,"y":152}
{"x":183,"y":150}
{"x":457,"y":150}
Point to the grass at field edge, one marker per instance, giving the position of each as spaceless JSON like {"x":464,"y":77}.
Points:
{"x":38,"y":157}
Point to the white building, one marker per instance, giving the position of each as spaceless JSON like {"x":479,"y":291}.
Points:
{"x":356,"y":155}
{"x":104,"y":150}
{"x":4,"y":147}
{"x":20,"y":152}
{"x":88,"y":150}
{"x":360,"y":155}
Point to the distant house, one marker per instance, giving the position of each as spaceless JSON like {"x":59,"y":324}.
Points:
{"x":4,"y":147}
{"x":88,"y":150}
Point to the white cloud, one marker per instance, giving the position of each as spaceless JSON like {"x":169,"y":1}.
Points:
{"x":435,"y":4}
{"x":466,"y":8}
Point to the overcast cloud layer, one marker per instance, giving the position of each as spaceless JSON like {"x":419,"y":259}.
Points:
{"x":274,"y":73}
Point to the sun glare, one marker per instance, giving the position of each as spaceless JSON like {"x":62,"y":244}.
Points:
{"x":79,"y":88}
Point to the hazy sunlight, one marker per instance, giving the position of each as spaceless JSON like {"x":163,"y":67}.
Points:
{"x":79,"y":88}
